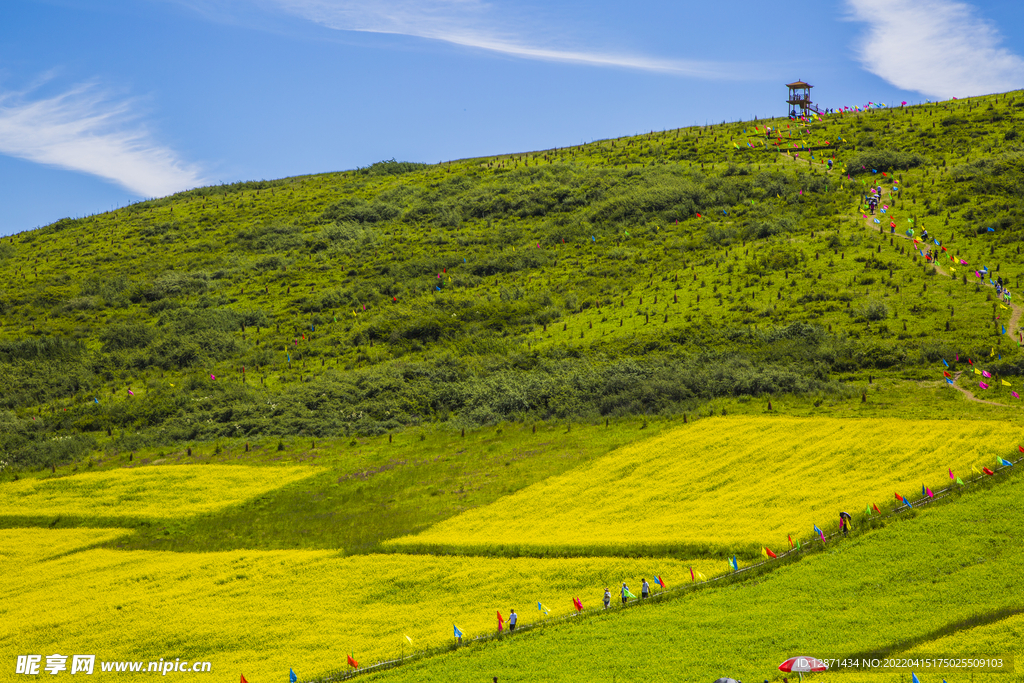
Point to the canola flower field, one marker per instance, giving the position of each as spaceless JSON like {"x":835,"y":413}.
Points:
{"x":947,"y":568}
{"x":263,"y":612}
{"x":726,"y":482}
{"x":162,"y":491}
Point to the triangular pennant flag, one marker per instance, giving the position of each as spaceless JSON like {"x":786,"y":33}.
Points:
{"x":1004,"y":462}
{"x":243,"y":679}
{"x":960,"y":481}
{"x":770,"y":553}
{"x":875,"y":508}
{"x":987,"y":471}
{"x":292,"y":678}
{"x":458,"y":633}
{"x":352,"y":662}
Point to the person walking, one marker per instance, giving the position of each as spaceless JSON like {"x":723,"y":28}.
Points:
{"x":844,"y":523}
{"x":512,"y":619}
{"x":645,"y":590}
{"x":625,"y":593}
{"x":607,"y":598}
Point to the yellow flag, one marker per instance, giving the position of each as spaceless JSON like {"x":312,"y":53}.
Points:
{"x":993,"y":352}
{"x":975,"y":468}
{"x":701,"y":577}
{"x":1005,"y":383}
{"x":977,"y":371}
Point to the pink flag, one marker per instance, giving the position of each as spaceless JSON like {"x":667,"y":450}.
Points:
{"x":212,"y":377}
{"x":951,"y":474}
{"x":982,"y":385}
{"x":1015,"y":394}
{"x":131,"y":393}
{"x":930,"y":494}
{"x":984,"y":373}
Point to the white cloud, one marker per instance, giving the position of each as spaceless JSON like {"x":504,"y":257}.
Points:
{"x":936,"y":47}
{"x":84,"y":130}
{"x":473,"y":23}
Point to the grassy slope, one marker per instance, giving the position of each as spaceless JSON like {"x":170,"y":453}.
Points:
{"x":566,"y":287}
{"x":700,"y":317}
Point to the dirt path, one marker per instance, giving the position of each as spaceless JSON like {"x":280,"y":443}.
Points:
{"x":970,"y":396}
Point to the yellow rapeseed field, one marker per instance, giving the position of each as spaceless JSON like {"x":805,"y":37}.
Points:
{"x":729,"y":481}
{"x":258,"y":613}
{"x":160,"y":491}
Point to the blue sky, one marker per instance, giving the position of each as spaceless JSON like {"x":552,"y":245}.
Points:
{"x":104,"y":102}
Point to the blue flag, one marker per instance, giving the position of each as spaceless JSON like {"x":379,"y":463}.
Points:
{"x":1004,"y":328}
{"x":458,"y":633}
{"x":1005,"y":463}
{"x":990,"y":230}
{"x":817,"y":530}
{"x":913,"y":678}
{"x":96,"y":400}
{"x":949,"y":381}
{"x":945,"y":363}
{"x":735,"y":566}
{"x":924,"y":492}
{"x":292,"y":678}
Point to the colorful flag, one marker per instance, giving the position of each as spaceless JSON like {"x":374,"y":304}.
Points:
{"x":408,"y":638}
{"x":987,"y":471}
{"x":658,"y":580}
{"x":292,"y":678}
{"x":243,"y":679}
{"x":352,"y":662}
{"x":1004,"y":462}
{"x":769,"y":553}
{"x":982,"y":385}
{"x":501,"y":621}
{"x":790,"y":540}
{"x":458,"y":633}
{"x":735,"y":565}
{"x":913,"y":678}
{"x":899,"y":497}
{"x":691,"y":575}
{"x":545,"y":610}
{"x":929,"y":492}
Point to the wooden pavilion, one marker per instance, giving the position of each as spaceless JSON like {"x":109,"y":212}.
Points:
{"x":800,"y":99}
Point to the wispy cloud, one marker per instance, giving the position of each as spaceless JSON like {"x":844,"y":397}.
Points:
{"x":85,"y":130}
{"x":474,"y":23}
{"x":936,"y":47}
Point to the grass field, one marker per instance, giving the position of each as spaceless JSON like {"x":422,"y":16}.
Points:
{"x":298,"y":609}
{"x":155,"y":492}
{"x":726,"y":482}
{"x":949,"y":571}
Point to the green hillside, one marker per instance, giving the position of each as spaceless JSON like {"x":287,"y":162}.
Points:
{"x":630,"y":277}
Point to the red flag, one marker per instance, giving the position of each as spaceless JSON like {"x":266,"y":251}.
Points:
{"x":501,"y":621}
{"x":875,"y":508}
{"x":243,"y":679}
{"x":970,"y":362}
{"x":987,"y":471}
{"x":770,"y":553}
{"x":790,"y":541}
{"x":698,"y":215}
{"x":691,"y":575}
{"x":899,"y":497}
{"x":353,"y":663}
{"x":661,"y":581}
{"x":1020,"y":448}
{"x":946,"y":374}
